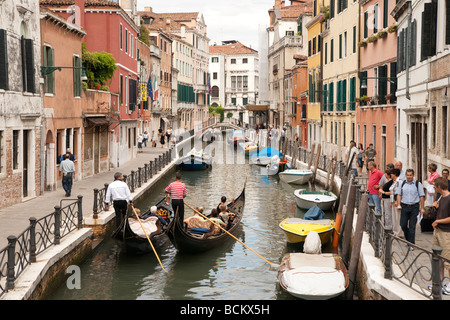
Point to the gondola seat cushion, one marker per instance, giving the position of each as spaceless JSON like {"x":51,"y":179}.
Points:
{"x":199,"y":230}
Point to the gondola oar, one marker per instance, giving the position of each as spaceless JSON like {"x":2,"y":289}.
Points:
{"x":202,"y":215}
{"x":147,"y":237}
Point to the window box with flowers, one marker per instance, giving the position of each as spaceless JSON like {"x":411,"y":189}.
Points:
{"x":393,"y":28}
{"x":363,"y":43}
{"x":382,"y":34}
{"x":372,"y":39}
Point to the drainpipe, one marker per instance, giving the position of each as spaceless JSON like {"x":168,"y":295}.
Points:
{"x":408,"y":49}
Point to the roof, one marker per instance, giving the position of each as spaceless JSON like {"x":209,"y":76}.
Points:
{"x":232,"y":48}
{"x":175,"y":20}
{"x":88,"y":3}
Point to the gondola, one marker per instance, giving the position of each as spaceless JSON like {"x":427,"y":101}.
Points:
{"x":189,"y":242}
{"x":131,"y":234}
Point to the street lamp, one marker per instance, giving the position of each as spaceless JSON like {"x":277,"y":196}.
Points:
{"x":46,"y":70}
{"x":389,"y":79}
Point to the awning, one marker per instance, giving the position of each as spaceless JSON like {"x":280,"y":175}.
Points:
{"x":257,"y":107}
{"x":100,"y":121}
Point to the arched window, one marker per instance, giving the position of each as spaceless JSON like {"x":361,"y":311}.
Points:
{"x":215,"y":91}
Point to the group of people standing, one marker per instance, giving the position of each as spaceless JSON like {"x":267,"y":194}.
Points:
{"x":404,"y":200}
{"x":155,"y":138}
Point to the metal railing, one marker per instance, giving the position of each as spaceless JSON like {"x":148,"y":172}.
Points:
{"x":41,"y":234}
{"x":134,"y":180}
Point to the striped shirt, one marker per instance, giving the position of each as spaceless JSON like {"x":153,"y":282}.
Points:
{"x":177,"y":190}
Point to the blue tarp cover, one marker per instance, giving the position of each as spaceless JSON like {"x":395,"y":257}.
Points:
{"x":268,"y":152}
{"x":315,"y":213}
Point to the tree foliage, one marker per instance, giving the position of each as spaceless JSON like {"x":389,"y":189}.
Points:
{"x":99,"y":66}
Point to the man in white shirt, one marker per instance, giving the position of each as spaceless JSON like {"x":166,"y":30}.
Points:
{"x":67,"y":168}
{"x":120,"y":193}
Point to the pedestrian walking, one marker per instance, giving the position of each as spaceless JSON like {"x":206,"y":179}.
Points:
{"x":352,"y":151}
{"x":431,"y":194}
{"x":140,"y":139}
{"x":393,"y":205}
{"x":67,"y":168}
{"x":177,"y":192}
{"x":375,"y":176}
{"x":145,"y":138}
{"x":411,"y":198}
{"x":162,"y":139}
{"x":445,"y":175}
{"x":119,"y":192}
{"x":370,"y":155}
{"x":441,"y":233}
{"x":399,"y":165}
{"x":154,"y":139}
{"x":360,"y":158}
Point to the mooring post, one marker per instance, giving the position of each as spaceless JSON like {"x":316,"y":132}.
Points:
{"x":436,"y":269}
{"x":33,"y":221}
{"x":348,"y":222}
{"x":357,"y":241}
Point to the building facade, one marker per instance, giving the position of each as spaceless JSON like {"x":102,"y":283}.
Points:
{"x":21,"y":120}
{"x":423,"y":66}
{"x":376,"y":112}
{"x":234,"y":76}
{"x":340,"y":76}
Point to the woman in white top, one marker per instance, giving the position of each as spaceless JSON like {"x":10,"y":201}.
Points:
{"x":395,"y":173}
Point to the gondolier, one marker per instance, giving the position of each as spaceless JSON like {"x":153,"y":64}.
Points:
{"x":177,"y":192}
{"x":120,"y":193}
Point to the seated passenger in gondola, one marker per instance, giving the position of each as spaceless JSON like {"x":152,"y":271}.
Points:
{"x":226,"y":215}
{"x":197,"y":221}
{"x":215,"y":229}
{"x":222,"y":201}
{"x":153,"y":212}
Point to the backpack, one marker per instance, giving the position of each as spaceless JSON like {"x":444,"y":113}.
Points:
{"x":417,"y":186}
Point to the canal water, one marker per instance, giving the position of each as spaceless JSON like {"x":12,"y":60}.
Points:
{"x":230,"y":272}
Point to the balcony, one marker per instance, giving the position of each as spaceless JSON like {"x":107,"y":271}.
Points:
{"x":287,"y":41}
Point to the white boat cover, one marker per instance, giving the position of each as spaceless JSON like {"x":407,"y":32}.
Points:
{"x":149,"y":225}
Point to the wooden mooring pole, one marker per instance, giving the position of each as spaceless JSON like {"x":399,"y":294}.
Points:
{"x":348,"y":222}
{"x":357,"y":240}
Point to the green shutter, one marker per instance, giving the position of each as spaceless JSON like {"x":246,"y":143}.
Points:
{"x":344,"y":95}
{"x":324,"y":102}
{"x":352,"y":93}
{"x":366,"y":21}
{"x":447,"y":27}
{"x":4,"y":81}
{"x":385,"y":13}
{"x":330,"y":96}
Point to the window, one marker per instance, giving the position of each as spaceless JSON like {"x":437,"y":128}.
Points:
{"x":309,"y":48}
{"x":233,"y":61}
{"x":433,"y":126}
{"x":340,"y":46}
{"x":27,"y":54}
{"x":15,"y":149}
{"x":289,"y":33}
{"x":354,"y":39}
{"x":245,"y":83}
{"x":244,"y":60}
{"x":374,"y":136}
{"x":215,"y":75}
{"x":126,"y":40}
{"x":429,"y":30}
{"x":332,"y":50}
{"x":375,"y":19}
{"x":3,"y":60}
{"x":77,"y":76}
{"x":444,"y":126}
{"x":385,"y":13}
{"x":121,"y":89}
{"x":326,"y":53}
{"x":366,"y":27}
{"x":345,"y":44}
{"x":215,"y":91}
{"x":49,"y":61}
{"x":121,"y":36}
{"x":314,"y":49}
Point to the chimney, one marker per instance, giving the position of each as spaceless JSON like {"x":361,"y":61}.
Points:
{"x":79,"y":13}
{"x":277,"y":4}
{"x":148,"y":9}
{"x":183,"y":31}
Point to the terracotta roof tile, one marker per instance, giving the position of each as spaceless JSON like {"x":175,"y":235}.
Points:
{"x":88,"y":3}
{"x":232,"y":49}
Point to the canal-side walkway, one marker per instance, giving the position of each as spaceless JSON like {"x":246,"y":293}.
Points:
{"x":15,"y":219}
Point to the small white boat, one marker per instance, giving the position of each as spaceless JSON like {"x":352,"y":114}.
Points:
{"x":313,"y":276}
{"x":295,"y":176}
{"x":264,"y":157}
{"x":195,"y":160}
{"x":274,"y":166}
{"x":307,"y":199}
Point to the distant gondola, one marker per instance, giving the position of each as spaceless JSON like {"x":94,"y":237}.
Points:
{"x":189,"y":242}
{"x":134,"y":237}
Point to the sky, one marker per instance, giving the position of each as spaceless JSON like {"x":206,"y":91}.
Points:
{"x":225,"y":19}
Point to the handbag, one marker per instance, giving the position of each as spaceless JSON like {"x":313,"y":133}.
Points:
{"x":430,"y":212}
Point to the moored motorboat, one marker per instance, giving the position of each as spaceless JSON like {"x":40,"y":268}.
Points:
{"x":296,"y":229}
{"x":195,"y":160}
{"x":307,"y":199}
{"x":296,"y":176}
{"x":248,"y":147}
{"x":264,"y":157}
{"x":132,"y":234}
{"x":236,"y":137}
{"x":313,"y":276}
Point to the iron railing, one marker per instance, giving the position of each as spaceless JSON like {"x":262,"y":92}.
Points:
{"x":41,"y":234}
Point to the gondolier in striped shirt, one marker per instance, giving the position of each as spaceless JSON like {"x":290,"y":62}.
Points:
{"x":177,"y":191}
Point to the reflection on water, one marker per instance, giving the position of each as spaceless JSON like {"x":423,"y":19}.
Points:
{"x":230,"y":272}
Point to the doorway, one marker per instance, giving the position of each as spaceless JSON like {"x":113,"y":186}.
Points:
{"x":25,"y":158}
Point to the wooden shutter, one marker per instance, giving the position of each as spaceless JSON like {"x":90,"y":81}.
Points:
{"x":429,"y":30}
{"x":382,"y":84}
{"x":330,"y":96}
{"x":375,"y":19}
{"x":447,"y":27}
{"x":29,"y":49}
{"x":400,"y":50}
{"x":324,"y":102}
{"x":385,"y":13}
{"x":412,"y":52}
{"x":4,"y":81}
{"x":366,"y":27}
{"x":24,"y":64}
{"x":393,"y":88}
{"x":344,"y":94}
{"x":352,"y":93}
{"x":332,"y":5}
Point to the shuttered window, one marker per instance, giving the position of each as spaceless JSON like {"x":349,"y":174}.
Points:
{"x":49,"y":61}
{"x":382,"y":84}
{"x":385,"y":13}
{"x":132,"y":85}
{"x":4,"y":82}
{"x":27,"y":55}
{"x":363,"y":77}
{"x":366,"y":27}
{"x":429,"y":30}
{"x":447,"y":27}
{"x":332,"y":5}
{"x":325,"y":95}
{"x":352,"y":93}
{"x":77,"y":76}
{"x":330,"y":96}
{"x":412,"y":51}
{"x":375,"y":19}
{"x":393,"y":86}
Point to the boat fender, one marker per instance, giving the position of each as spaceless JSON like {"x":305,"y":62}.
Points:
{"x":312,"y":244}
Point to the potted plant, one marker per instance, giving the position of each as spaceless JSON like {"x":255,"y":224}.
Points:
{"x":363,"y":43}
{"x":382,"y":34}
{"x":372,"y":39}
{"x":393,"y":28}
{"x":364,"y":99}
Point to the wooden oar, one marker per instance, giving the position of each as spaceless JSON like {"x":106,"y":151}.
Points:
{"x":271,"y":263}
{"x":148,"y":238}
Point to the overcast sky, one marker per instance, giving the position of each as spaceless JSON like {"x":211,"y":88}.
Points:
{"x":225,"y":19}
